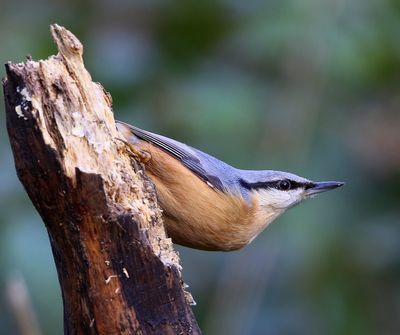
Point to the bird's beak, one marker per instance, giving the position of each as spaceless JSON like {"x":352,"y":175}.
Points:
{"x":323,"y":186}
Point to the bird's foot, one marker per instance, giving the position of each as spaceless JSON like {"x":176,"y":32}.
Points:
{"x":141,"y":155}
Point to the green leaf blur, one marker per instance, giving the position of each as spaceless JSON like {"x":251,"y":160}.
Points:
{"x":310,"y":87}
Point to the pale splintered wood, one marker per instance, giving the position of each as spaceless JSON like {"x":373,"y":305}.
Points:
{"x":118,"y":271}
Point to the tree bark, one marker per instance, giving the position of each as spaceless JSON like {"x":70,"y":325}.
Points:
{"x":117,"y":269}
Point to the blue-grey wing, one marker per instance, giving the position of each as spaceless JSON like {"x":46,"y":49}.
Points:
{"x":204,"y":166}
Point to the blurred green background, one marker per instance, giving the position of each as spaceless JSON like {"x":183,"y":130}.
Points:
{"x":310,"y":87}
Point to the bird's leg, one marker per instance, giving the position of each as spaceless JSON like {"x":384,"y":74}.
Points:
{"x":141,"y":155}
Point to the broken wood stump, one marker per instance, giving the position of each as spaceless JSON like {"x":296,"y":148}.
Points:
{"x":118,"y":271}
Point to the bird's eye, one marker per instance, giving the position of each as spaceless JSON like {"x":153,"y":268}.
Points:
{"x":284,"y":185}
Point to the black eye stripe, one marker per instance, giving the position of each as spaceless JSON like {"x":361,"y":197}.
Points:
{"x":308,"y":185}
{"x":284,"y":185}
{"x":273,"y":184}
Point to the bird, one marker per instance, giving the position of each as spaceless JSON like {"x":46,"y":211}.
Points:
{"x":208,"y":204}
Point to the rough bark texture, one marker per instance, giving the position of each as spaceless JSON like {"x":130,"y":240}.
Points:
{"x":118,"y":271}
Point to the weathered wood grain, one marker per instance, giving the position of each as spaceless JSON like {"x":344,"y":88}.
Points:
{"x":117,"y":269}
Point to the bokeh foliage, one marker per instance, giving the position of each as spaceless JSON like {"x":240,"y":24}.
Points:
{"x":310,"y":87}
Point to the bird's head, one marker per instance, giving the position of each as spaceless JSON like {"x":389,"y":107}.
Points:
{"x":277,"y":191}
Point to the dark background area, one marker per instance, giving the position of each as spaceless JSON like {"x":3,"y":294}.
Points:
{"x":310,"y":87}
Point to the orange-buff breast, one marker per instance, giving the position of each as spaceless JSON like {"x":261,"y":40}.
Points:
{"x":195,"y":214}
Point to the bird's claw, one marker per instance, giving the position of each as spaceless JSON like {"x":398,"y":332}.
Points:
{"x":141,"y":155}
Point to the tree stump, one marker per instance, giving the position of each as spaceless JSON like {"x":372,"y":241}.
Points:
{"x":117,"y":269}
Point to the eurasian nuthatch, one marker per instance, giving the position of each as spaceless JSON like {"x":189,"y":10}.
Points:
{"x":208,"y":204}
